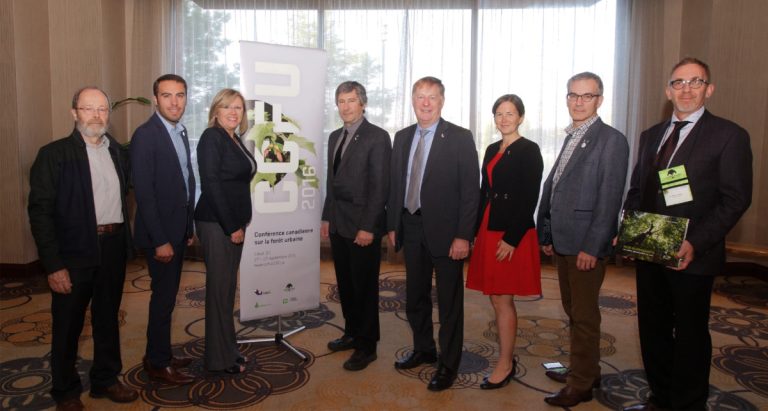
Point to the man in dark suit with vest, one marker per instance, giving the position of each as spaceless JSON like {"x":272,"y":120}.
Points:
{"x":354,"y":217}
{"x":164,"y":184}
{"x":673,"y":302}
{"x":431,"y":213}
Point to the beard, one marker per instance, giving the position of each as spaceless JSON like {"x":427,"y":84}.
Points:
{"x":92,"y":128}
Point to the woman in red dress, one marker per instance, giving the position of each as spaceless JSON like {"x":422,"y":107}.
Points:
{"x":505,"y":260}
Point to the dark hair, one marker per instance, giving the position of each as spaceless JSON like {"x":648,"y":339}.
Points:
{"x":76,"y":97}
{"x":587,"y":75}
{"x":429,"y":80}
{"x":350,"y":86}
{"x":166,"y":77}
{"x":693,"y":60}
{"x":511,"y":98}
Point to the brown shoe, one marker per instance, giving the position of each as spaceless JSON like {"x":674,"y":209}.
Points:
{"x":568,"y":397}
{"x":562,"y":377}
{"x":70,"y":404}
{"x":181,"y":362}
{"x":169,"y":375}
{"x":118,"y":392}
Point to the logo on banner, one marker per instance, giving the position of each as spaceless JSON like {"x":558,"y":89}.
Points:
{"x":278,"y":148}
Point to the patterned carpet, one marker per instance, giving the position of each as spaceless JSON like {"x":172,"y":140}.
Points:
{"x":278,"y":379}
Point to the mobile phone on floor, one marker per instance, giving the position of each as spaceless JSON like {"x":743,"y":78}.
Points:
{"x":552,"y":365}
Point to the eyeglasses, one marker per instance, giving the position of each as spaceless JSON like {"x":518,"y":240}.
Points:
{"x":693,"y":83}
{"x":91,"y":110}
{"x":584,"y":97}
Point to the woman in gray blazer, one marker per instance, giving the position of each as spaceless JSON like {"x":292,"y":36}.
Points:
{"x":222,"y":214}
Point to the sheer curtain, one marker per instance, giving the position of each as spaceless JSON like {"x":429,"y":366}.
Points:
{"x":481,"y":49}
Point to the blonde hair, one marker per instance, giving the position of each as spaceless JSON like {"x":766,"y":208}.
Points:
{"x":223,"y":98}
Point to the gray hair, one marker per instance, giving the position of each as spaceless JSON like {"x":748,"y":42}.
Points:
{"x":76,"y":97}
{"x":350,"y":86}
{"x":587,"y":75}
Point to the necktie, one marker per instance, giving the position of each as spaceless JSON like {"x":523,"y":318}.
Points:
{"x":412,"y":201}
{"x":665,"y":154}
{"x":337,"y":157}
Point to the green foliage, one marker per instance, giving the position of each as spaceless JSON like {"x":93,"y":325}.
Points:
{"x":652,"y":237}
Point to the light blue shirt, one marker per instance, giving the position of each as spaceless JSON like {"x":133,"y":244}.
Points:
{"x":175,"y":131}
{"x":427,"y":146}
{"x":693,"y":118}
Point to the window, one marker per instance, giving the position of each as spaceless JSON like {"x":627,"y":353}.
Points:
{"x":479,"y":49}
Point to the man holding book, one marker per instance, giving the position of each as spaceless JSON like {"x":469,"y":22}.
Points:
{"x":673,"y":302}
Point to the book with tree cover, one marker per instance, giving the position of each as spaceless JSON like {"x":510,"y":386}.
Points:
{"x":651,"y":237}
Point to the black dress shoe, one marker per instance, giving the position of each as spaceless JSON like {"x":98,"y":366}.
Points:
{"x":117,"y":392}
{"x":342,"y":343}
{"x":568,"y":397}
{"x":414,"y":359}
{"x":70,"y":404}
{"x":562,"y":377}
{"x":359,"y":360}
{"x":443,"y":379}
{"x":487,"y":385}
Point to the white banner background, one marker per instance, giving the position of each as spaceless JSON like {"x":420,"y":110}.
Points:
{"x":280,"y":268}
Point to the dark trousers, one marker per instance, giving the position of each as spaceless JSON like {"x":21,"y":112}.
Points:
{"x":102,"y":286}
{"x":580,"y":293}
{"x":419,"y":265}
{"x":357,"y":275}
{"x":673,"y":318}
{"x":222,"y":260}
{"x":165,"y":286}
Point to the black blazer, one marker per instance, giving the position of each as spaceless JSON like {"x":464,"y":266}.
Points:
{"x":449,"y":187}
{"x":515,"y":192}
{"x":718,"y":160}
{"x":225,"y":178}
{"x":164,"y":208}
{"x":357,"y":195}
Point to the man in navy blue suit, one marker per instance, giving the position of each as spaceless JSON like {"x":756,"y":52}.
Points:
{"x":164,"y":184}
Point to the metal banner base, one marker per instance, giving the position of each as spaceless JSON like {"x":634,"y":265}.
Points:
{"x":279,"y":338}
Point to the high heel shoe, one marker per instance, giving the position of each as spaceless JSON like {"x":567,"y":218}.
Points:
{"x":487,"y":385}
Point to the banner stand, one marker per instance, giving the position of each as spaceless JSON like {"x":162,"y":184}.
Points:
{"x":279,"y":338}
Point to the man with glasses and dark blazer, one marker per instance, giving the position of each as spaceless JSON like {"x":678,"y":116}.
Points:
{"x":578,"y":217}
{"x":673,"y":302}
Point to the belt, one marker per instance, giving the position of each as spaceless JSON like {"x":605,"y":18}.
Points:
{"x":108,"y":228}
{"x":417,"y":212}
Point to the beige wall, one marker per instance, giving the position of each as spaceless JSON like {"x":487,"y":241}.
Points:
{"x":731,"y":36}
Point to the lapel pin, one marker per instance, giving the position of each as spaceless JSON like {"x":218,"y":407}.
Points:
{"x":584,"y":144}
{"x":442,"y":135}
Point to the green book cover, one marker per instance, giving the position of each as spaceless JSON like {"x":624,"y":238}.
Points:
{"x":651,"y":237}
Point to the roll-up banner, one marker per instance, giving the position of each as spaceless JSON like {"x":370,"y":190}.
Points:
{"x":280,"y":268}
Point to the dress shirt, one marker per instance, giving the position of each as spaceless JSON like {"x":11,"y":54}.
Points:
{"x":106,"y":185}
{"x":427,"y":146}
{"x":693,"y":118}
{"x":576,"y":133}
{"x":351,"y":130}
{"x":175,"y":131}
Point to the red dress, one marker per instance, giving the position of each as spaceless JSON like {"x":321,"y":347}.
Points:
{"x":519,"y":276}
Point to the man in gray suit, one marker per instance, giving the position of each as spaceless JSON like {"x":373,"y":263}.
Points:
{"x":577,"y":220}
{"x":354,"y":219}
{"x":433,"y":200}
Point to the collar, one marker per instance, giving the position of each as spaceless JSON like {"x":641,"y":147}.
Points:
{"x":583,"y":127}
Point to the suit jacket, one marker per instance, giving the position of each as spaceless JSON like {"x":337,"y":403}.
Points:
{"x":581,"y":212}
{"x":515,"y":191}
{"x":225,"y":180}
{"x":356,"y":196}
{"x":449,"y":186}
{"x":164,"y":208}
{"x":718,"y":161}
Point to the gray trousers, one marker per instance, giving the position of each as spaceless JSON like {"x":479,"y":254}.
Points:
{"x":222,"y":259}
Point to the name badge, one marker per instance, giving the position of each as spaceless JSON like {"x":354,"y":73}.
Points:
{"x":675,"y":186}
